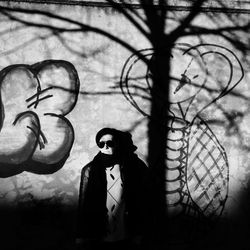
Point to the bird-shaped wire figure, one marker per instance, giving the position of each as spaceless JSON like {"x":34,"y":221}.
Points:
{"x":197,"y":169}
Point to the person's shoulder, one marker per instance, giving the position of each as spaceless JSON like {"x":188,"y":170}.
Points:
{"x":94,"y":161}
{"x":85,"y":170}
{"x":139,"y":161}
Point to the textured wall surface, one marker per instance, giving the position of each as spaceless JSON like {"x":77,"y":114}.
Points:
{"x":40,"y":202}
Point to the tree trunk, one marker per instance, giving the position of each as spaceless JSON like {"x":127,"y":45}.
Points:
{"x":157,"y":132}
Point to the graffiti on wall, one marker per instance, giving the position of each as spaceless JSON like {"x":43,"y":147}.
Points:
{"x":35,"y":134}
{"x":197,"y":173}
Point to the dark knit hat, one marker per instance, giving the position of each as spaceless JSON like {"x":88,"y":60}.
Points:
{"x":124,"y":138}
{"x":105,"y":131}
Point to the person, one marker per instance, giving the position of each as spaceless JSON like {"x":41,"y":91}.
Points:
{"x":111,"y":212}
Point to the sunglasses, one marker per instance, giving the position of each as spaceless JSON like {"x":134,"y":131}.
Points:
{"x":109,"y":143}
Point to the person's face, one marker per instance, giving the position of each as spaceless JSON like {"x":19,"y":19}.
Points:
{"x":107,"y":144}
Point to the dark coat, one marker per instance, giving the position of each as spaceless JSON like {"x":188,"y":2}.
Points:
{"x":92,"y":211}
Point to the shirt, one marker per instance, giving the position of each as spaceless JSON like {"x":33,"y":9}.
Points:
{"x":115,"y":205}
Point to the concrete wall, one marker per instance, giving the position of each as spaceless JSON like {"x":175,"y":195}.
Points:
{"x":39,"y":202}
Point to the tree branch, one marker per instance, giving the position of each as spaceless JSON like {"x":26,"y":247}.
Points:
{"x":81,"y":27}
{"x":187,"y":20}
{"x":122,"y":10}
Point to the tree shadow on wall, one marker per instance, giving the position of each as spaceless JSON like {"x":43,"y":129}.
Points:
{"x":153,"y":22}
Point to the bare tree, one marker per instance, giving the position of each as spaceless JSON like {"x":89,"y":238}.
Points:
{"x":154,"y":20}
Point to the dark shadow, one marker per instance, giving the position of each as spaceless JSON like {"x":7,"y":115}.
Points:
{"x":151,"y":21}
{"x":39,"y":225}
